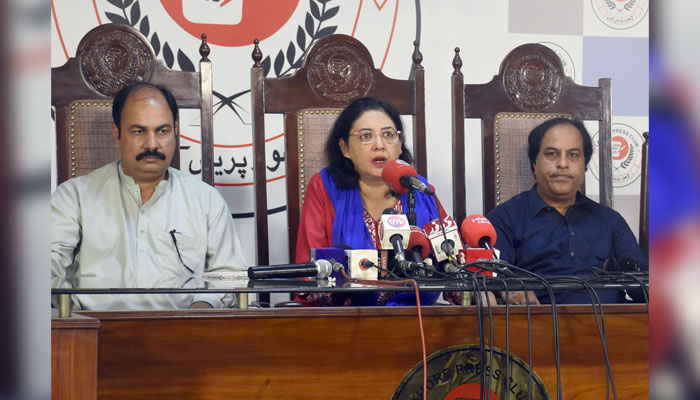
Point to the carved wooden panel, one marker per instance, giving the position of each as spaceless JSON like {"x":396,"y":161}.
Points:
{"x":112,"y":58}
{"x":339,"y":72}
{"x":533,"y":79}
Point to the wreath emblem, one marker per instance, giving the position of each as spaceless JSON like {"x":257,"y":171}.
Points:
{"x":312,"y":30}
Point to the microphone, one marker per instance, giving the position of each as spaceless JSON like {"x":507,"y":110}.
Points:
{"x":394,"y":232}
{"x":358,"y":264}
{"x":435,"y":235}
{"x":401,"y":177}
{"x":319,"y":269}
{"x":477,"y":231}
{"x":419,"y":242}
{"x":418,"y":252}
{"x":627,"y":264}
{"x":362,"y":264}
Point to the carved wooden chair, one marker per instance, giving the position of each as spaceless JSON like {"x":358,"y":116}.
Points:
{"x":109,"y":57}
{"x":530,"y":88}
{"x":337,"y":70}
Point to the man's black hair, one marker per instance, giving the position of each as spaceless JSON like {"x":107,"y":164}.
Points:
{"x":535,"y":139}
{"x":124,"y":93}
{"x":342,"y":169}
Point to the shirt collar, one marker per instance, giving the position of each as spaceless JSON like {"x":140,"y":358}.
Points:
{"x":536,"y":204}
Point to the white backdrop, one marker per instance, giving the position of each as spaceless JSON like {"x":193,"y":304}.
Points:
{"x":594,"y":38}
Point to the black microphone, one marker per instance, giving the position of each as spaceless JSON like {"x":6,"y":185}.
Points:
{"x":629,"y":264}
{"x":319,"y":269}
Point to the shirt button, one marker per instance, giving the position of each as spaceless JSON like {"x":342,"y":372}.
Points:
{"x":143,"y":212}
{"x":142,"y":232}
{"x":572,"y":254}
{"x":572,"y":234}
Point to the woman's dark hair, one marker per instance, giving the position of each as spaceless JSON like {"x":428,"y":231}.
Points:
{"x":124,"y":93}
{"x":342,"y":169}
{"x":535,"y":139}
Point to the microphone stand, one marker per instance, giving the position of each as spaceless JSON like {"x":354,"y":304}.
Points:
{"x":411,"y":201}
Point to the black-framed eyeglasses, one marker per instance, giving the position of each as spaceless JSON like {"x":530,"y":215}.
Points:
{"x":172,"y":235}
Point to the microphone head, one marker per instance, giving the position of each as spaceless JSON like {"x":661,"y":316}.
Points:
{"x":324,"y":268}
{"x":629,"y":264}
{"x":392,"y":173}
{"x":389,"y":211}
{"x":475,"y":228}
{"x":393,"y":224}
{"x":418,"y":239}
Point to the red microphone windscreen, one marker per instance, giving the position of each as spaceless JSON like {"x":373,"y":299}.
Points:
{"x":418,"y":238}
{"x":392,"y":173}
{"x":476,"y":227}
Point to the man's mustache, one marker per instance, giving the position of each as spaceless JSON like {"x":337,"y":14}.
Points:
{"x":150,"y":153}
{"x":560,"y":174}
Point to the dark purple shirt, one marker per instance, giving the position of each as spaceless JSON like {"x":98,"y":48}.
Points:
{"x":535,"y":236}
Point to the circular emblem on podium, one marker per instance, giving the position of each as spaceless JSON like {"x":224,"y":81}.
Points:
{"x":533,"y":80}
{"x":454,"y":373}
{"x":339,"y":73}
{"x":114,"y":58}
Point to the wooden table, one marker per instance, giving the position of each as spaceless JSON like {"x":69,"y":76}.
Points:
{"x":340,"y":353}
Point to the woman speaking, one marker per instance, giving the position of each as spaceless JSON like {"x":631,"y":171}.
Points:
{"x":344,"y":202}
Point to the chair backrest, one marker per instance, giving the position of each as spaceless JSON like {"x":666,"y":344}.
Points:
{"x":336,"y":70}
{"x":530,"y":88}
{"x":644,"y":199}
{"x":109,"y":57}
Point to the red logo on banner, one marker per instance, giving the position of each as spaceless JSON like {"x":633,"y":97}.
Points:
{"x":620,"y":148}
{"x":230,"y":22}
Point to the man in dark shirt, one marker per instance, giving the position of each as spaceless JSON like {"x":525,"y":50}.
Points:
{"x":553,"y":229}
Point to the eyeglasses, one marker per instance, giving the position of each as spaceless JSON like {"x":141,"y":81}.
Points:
{"x":366,"y":136}
{"x":172,"y":235}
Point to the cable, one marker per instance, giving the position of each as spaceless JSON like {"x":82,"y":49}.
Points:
{"x":389,"y":272}
{"x":488,"y":305}
{"x":602,"y":332}
{"x":597,"y":272}
{"x":509,"y":271}
{"x":645,"y":290}
{"x":420,"y":315}
{"x":555,"y":320}
{"x":529,"y":341}
{"x":480,"y":321}
{"x":505,"y":287}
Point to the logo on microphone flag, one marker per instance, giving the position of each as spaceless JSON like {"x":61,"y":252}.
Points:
{"x":396,"y":221}
{"x":434,"y":230}
{"x":480,"y":220}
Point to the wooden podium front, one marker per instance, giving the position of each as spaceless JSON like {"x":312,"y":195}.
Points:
{"x":349,"y":353}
